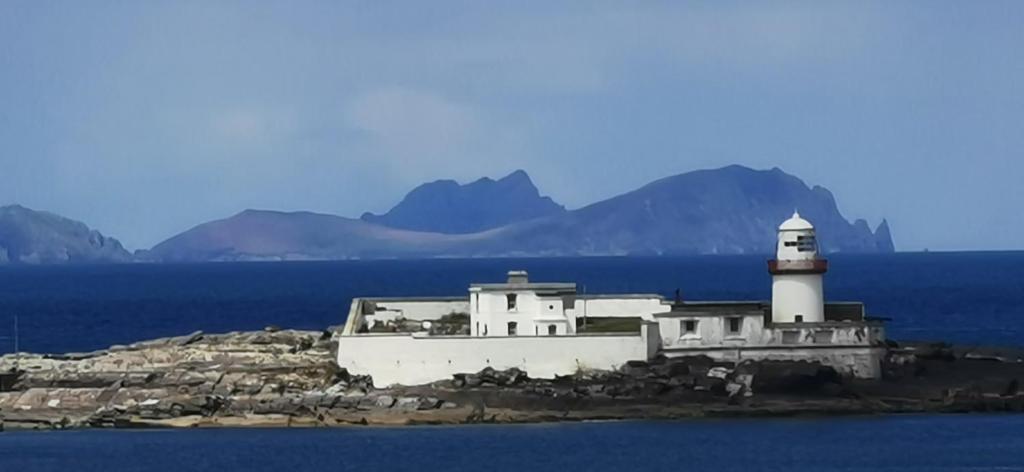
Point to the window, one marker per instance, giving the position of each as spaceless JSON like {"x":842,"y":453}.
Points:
{"x":511,"y":298}
{"x":688,"y":327}
{"x":806,"y":244}
{"x":798,"y":318}
{"x":735,"y":325}
{"x":552,"y":330}
{"x":512,"y":328}
{"x":823,"y":337}
{"x":803,"y":244}
{"x":485,"y":330}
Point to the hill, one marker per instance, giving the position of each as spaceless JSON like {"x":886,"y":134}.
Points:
{"x":444,"y":206}
{"x":732,"y":210}
{"x":36,"y":237}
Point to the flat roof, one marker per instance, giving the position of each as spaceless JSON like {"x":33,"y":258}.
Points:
{"x":600,"y":296}
{"x":700,"y":305}
{"x":462,"y":298}
{"x":530,"y":286}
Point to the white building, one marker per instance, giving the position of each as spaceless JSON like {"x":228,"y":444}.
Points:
{"x":549,"y":329}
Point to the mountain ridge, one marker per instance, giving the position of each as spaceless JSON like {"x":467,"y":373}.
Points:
{"x":730,"y":210}
{"x":37,"y":237}
{"x":445,"y":206}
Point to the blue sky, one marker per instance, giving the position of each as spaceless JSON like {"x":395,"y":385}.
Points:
{"x":146,"y":118}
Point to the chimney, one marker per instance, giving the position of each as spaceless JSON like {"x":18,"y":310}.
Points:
{"x":518,"y":277}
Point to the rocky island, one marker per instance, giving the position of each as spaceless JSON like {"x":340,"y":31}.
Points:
{"x":290,"y":378}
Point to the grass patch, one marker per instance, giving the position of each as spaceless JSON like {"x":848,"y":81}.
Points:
{"x":608,"y":325}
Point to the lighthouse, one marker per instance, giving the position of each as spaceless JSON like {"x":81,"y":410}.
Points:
{"x":797,"y":271}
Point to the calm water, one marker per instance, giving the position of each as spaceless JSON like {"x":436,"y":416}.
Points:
{"x":909,"y":443}
{"x":965,"y":297}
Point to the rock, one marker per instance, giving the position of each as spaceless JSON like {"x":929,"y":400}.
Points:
{"x":429,"y":403}
{"x":385,"y":401}
{"x":314,"y":400}
{"x":936,"y":351}
{"x":501,"y":378}
{"x":672,"y":369}
{"x":718,"y":372}
{"x":791,"y":377}
{"x":407,"y":403}
{"x":635,"y":368}
{"x":189,"y":339}
{"x":1012,"y":388}
{"x":683,"y":381}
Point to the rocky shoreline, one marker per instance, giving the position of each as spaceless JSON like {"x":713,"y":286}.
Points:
{"x":289,"y":378}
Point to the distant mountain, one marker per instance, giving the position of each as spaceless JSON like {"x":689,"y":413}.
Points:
{"x":446,"y":207}
{"x":255,"y":235}
{"x":36,"y":237}
{"x":732,"y":210}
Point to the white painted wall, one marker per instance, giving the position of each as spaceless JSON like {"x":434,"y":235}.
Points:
{"x":712,"y":331}
{"x":851,"y":348}
{"x":490,"y":314}
{"x":414,"y":360}
{"x":797,"y":294}
{"x":626,"y":307}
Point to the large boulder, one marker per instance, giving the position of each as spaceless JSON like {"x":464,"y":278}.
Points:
{"x":791,"y":377}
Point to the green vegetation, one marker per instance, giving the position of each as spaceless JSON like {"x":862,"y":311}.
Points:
{"x":451,"y":324}
{"x":608,"y":325}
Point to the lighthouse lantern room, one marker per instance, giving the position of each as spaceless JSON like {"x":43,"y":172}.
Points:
{"x":797,"y":271}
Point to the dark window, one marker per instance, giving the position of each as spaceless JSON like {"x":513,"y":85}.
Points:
{"x":512,"y":327}
{"x":799,"y":318}
{"x":823,"y":337}
{"x":511,"y":298}
{"x":552,"y":330}
{"x":806,"y":244}
{"x":689,"y":326}
{"x":735,"y":325}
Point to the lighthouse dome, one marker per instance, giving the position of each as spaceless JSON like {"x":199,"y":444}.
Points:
{"x":796,"y":223}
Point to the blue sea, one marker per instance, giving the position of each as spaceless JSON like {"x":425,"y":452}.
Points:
{"x":901,"y":443}
{"x":959,"y":297}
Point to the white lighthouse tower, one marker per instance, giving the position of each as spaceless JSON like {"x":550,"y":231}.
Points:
{"x":797,"y":294}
